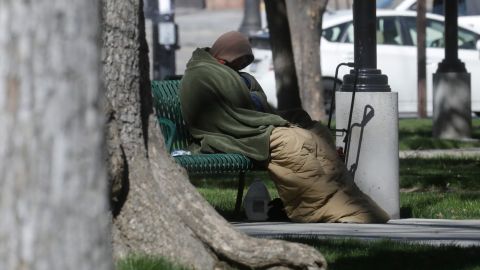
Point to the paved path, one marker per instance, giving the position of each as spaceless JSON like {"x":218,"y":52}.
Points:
{"x":463,"y":152}
{"x":424,"y":231}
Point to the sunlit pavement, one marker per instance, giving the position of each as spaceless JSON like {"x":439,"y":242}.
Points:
{"x":421,"y":231}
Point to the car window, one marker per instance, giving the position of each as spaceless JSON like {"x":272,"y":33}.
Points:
{"x":334,"y":33}
{"x":467,"y":39}
{"x":388,"y":31}
{"x":435,"y":34}
{"x":348,"y":36}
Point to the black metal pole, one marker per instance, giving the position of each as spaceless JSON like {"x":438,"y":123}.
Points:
{"x":166,"y":52}
{"x":365,"y":77}
{"x":451,"y":63}
{"x":365,"y":38}
{"x":164,"y":38}
{"x":251,"y":22}
{"x":370,"y":79}
{"x":451,"y":30}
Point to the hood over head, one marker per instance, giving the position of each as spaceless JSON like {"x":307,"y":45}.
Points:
{"x":234,"y":48}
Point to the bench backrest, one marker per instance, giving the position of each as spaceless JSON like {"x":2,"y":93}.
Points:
{"x":167,"y":106}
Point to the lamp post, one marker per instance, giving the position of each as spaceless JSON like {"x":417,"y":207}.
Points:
{"x":164,"y":40}
{"x":452,"y":112}
{"x":251,"y":22}
{"x":368,"y":110}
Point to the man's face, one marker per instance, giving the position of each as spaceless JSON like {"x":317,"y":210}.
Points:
{"x":239,"y":63}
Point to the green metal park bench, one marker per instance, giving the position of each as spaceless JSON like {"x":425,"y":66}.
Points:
{"x":177,"y":137}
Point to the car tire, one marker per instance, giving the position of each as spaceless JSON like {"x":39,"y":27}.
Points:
{"x":328,"y":92}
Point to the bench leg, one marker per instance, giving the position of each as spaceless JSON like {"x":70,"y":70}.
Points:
{"x":241,"y":186}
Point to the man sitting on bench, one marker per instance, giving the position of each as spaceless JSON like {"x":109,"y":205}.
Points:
{"x":227,"y":111}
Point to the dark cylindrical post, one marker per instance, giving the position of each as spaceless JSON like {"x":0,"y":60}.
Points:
{"x":164,"y":37}
{"x":451,"y":63}
{"x":365,"y":41}
{"x":251,"y":22}
{"x":451,"y":30}
{"x":368,"y":78}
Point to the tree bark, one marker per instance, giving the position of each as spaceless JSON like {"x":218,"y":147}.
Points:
{"x":421,"y":60}
{"x":305,"y":21}
{"x":286,"y":81}
{"x":156,"y":209}
{"x":53,"y":206}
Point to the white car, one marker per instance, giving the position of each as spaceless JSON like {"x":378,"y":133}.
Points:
{"x":468,"y":11}
{"x":396,"y":55}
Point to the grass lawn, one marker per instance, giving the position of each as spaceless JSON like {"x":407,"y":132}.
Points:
{"x":354,"y":254}
{"x":417,"y":134}
{"x":146,"y":263}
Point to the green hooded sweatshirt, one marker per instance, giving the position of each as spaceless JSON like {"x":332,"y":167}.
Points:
{"x":217,"y":108}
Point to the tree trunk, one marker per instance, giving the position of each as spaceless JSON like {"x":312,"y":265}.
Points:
{"x":156,"y":209}
{"x":421,"y":60}
{"x":305,"y":20}
{"x":53,"y":206}
{"x":286,"y":81}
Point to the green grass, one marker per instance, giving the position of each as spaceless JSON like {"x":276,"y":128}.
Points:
{"x":416,"y":134}
{"x":449,"y":205}
{"x":440,"y":188}
{"x":221,"y":192}
{"x":354,"y":254}
{"x":139,"y":262}
{"x":445,"y":174}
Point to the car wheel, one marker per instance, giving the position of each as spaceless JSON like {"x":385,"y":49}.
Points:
{"x":328,"y":92}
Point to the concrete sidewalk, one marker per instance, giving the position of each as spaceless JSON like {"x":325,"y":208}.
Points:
{"x":422,"y":231}
{"x":432,"y":153}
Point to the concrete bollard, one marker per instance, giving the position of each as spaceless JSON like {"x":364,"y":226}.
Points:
{"x":373,"y":155}
{"x":452,"y":110}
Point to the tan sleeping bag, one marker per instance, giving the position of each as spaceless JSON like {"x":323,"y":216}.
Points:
{"x":313,"y":182}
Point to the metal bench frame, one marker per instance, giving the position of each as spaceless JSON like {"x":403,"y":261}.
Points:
{"x":177,"y":137}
